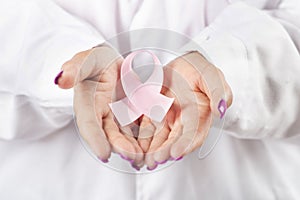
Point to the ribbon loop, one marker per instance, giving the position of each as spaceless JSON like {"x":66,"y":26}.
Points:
{"x":141,"y":98}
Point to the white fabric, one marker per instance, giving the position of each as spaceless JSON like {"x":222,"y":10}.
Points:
{"x":255,"y":43}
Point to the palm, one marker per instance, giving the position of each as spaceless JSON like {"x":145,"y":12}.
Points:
{"x":194,"y":116}
{"x":188,"y":120}
{"x":97,"y":78}
{"x":121,"y":139}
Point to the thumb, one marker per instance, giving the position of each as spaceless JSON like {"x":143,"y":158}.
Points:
{"x":212,"y":82}
{"x":85,"y":65}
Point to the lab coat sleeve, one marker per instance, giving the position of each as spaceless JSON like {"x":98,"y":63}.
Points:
{"x":37,"y":37}
{"x":258,"y":52}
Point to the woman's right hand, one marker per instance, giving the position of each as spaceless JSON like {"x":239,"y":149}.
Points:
{"x":94,"y":75}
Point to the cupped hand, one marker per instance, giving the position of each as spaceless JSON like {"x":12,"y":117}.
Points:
{"x":199,"y":89}
{"x":94,"y":75}
{"x":200,"y":92}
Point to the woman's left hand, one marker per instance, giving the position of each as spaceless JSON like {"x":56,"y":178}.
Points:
{"x":200,"y":91}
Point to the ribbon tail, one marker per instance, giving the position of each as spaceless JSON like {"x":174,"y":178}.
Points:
{"x":124,"y":111}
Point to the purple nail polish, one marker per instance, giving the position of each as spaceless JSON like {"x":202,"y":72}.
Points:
{"x":136,"y":167}
{"x":222,"y":107}
{"x":179,"y":158}
{"x":161,"y":162}
{"x":57,"y":77}
{"x":126,"y":158}
{"x":175,"y":159}
{"x":153,"y":168}
{"x":103,"y":160}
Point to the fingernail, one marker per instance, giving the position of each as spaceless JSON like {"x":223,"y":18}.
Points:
{"x":153,"y":168}
{"x":222,"y":107}
{"x":179,"y":158}
{"x":176,"y":159}
{"x":103,"y":160}
{"x":136,"y":167}
{"x":57,"y":77}
{"x":126,"y":158}
{"x":161,"y":162}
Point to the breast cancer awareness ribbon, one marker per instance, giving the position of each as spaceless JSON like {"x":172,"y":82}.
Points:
{"x":141,"y":98}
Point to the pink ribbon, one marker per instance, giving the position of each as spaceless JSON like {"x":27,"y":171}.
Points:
{"x":141,"y":98}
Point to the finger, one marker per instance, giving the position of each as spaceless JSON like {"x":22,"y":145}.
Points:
{"x":163,"y":153}
{"x":212,"y":82}
{"x":158,"y":139}
{"x":86,"y":65}
{"x":139,"y":158}
{"x":89,"y":126}
{"x":119,"y":142}
{"x":217,"y":90}
{"x":201,"y":135}
{"x":146,"y":132}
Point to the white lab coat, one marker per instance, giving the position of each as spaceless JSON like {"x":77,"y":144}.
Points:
{"x":255,"y":43}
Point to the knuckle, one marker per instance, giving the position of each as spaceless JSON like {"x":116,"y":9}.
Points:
{"x":68,"y":65}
